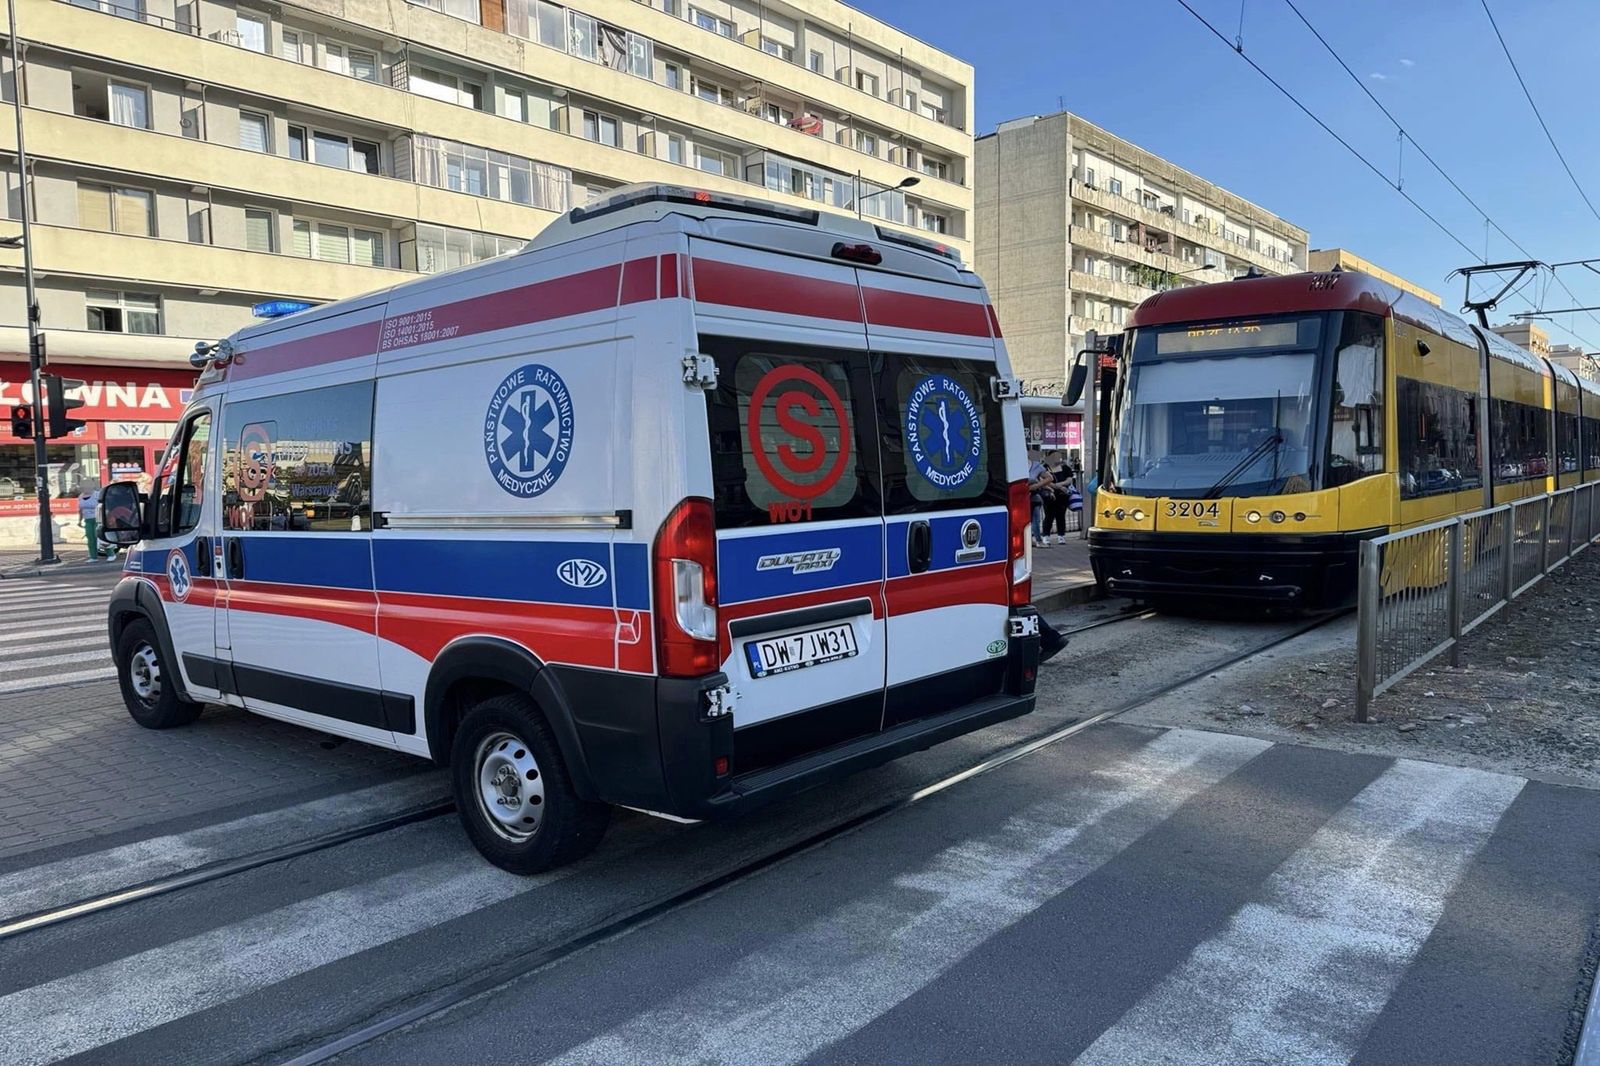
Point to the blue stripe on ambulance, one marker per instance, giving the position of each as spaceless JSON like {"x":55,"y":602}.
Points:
{"x":946,"y":531}
{"x":491,"y":569}
{"x":632,"y":568}
{"x":740,"y":576}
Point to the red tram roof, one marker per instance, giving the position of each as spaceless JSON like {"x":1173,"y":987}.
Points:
{"x":1339,"y":290}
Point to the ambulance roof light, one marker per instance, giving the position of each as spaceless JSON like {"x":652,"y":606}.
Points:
{"x":279,"y":308}
{"x":635,"y":195}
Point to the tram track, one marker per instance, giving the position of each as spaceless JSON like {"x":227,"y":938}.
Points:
{"x":612,"y":927}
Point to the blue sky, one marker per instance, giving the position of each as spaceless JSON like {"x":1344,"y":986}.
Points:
{"x":1148,"y":71}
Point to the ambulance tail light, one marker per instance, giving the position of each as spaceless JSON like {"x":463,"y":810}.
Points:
{"x":1019,"y":551}
{"x":686,"y":591}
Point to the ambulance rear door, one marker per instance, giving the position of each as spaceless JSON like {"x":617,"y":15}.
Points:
{"x":794,"y":456}
{"x":943,"y":449}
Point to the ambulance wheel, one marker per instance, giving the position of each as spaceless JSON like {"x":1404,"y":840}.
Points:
{"x":147,"y":688}
{"x":513,"y":790}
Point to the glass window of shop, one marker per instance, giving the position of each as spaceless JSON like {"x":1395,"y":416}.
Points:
{"x":68,"y":467}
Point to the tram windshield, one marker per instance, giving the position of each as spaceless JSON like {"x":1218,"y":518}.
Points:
{"x":1219,"y":410}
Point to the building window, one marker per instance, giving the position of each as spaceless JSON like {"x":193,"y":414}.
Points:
{"x":707,"y":21}
{"x":130,"y":105}
{"x":514,"y":104}
{"x":867,"y":83}
{"x":602,"y":128}
{"x":444,"y":248}
{"x":114,"y":209}
{"x":260,"y":230}
{"x":255,"y":132}
{"x":712,"y":161}
{"x":363,"y":65}
{"x":641,"y":56}
{"x":933,"y":111}
{"x":498,"y":175}
{"x":935,"y":168}
{"x":867,"y":142}
{"x":814,"y":61}
{"x":347,"y":153}
{"x":446,"y":87}
{"x":773,"y":113}
{"x":674,"y":75}
{"x":777,"y":48}
{"x":124,"y":312}
{"x":935,"y":223}
{"x":716,"y":94}
{"x":252,"y":30}
{"x":674,"y":148}
{"x":289,"y":47}
{"x":552,"y":26}
{"x":297,"y":143}
{"x":1114,"y":186}
{"x":337,"y":244}
{"x":582,"y":34}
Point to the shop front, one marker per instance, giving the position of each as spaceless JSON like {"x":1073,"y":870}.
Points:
{"x":1049,"y":429}
{"x":129,"y":413}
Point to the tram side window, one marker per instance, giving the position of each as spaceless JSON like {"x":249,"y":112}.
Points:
{"x":1356,"y":441}
{"x":1591,"y":442}
{"x":1521,"y":440}
{"x":1567,"y":441}
{"x":1438,"y":438}
{"x":299,"y":462}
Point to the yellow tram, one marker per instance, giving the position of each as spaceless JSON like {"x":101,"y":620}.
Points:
{"x":1262,"y":428}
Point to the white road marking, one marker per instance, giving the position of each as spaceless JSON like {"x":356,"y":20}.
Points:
{"x":27,"y":684}
{"x":12,"y":666}
{"x":822,"y":983}
{"x":66,"y":881}
{"x":85,"y":1010}
{"x":1300,"y":973}
{"x":63,"y":631}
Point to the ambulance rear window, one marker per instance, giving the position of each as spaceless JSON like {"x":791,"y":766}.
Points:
{"x":786,"y":441}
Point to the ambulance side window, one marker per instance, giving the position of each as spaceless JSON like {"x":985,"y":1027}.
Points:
{"x":942,"y":442}
{"x":299,"y":462}
{"x":187,"y":481}
{"x":787,"y":443}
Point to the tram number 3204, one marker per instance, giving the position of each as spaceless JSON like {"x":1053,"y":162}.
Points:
{"x":1192,"y":509}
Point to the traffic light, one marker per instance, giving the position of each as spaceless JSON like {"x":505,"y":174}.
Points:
{"x":56,"y":388}
{"x":22,"y":422}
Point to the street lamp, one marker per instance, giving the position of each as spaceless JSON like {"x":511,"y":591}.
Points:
{"x":905,"y":183}
{"x":1171,"y":275}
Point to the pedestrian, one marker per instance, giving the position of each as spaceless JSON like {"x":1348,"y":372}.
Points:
{"x":88,"y":503}
{"x":1038,"y":485}
{"x":1055,"y":499}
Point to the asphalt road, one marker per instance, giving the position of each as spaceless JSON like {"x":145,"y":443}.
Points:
{"x":1129,"y":894}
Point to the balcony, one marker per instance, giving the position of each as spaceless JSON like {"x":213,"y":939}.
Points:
{"x":1159,"y":220}
{"x":1107,"y":289}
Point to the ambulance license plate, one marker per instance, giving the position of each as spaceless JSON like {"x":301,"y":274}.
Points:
{"x":779,"y":655}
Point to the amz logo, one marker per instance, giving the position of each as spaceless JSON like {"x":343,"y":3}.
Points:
{"x":581,"y":573}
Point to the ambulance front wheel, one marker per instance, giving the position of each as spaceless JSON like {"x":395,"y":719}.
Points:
{"x":147,"y":683}
{"x":513,"y":790}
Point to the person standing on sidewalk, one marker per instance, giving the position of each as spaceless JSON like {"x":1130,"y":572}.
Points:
{"x":88,"y":502}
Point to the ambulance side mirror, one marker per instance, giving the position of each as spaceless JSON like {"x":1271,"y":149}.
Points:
{"x":120,"y":513}
{"x":1076,"y":380}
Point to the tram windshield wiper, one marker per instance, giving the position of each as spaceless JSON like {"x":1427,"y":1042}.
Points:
{"x":1242,"y":465}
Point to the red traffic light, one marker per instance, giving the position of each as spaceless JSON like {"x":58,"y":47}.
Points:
{"x":22,"y":421}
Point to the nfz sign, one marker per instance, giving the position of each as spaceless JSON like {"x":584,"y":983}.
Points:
{"x":581,"y":573}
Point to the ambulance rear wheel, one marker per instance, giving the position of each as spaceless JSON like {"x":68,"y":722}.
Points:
{"x":147,"y":683}
{"x":513,"y":790}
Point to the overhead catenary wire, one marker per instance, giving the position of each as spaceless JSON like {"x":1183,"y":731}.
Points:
{"x":1406,"y":135}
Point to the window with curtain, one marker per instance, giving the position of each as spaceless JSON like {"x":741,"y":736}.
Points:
{"x":259,"y":230}
{"x":366,"y":247}
{"x":130,"y":105}
{"x":289,"y":47}
{"x":331,"y":150}
{"x":253,"y":132}
{"x":116,"y":209}
{"x":582,"y":36}
{"x":333,"y":58}
{"x":363,"y":65}
{"x":333,"y":243}
{"x":252,"y":30}
{"x":515,"y":105}
{"x":552,"y":26}
{"x":123,"y":312}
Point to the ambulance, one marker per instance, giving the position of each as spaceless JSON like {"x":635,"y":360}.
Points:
{"x":693,"y":503}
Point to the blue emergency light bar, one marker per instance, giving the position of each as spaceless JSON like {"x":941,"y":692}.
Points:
{"x":279,"y":308}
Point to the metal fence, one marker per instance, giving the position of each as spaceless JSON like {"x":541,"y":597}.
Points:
{"x":1422,"y":589}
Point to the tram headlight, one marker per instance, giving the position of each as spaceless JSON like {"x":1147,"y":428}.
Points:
{"x":1253,"y":517}
{"x":1277,"y":517}
{"x":1138,"y":515}
{"x":1121,"y":514}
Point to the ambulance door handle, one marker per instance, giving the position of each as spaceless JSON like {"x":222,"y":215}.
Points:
{"x":919,"y":546}
{"x":202,"y":556}
{"x":235,"y":557}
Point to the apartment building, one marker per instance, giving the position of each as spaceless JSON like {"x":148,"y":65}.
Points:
{"x":1322,"y":260}
{"x":1529,"y":336}
{"x":1075,"y":226}
{"x":190,"y":158}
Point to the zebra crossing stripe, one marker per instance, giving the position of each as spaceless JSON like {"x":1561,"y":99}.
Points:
{"x":82,"y":1011}
{"x":27,"y":684}
{"x":63,"y":631}
{"x":1300,"y":973}
{"x":15,"y":665}
{"x":817,"y":986}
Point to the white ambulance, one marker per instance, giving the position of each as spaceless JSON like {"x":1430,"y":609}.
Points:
{"x":692,"y":503}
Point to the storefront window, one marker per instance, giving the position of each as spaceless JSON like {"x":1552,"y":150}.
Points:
{"x":69,"y":465}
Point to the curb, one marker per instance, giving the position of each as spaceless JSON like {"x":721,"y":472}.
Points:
{"x":85,"y":567}
{"x":1069,"y":596}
